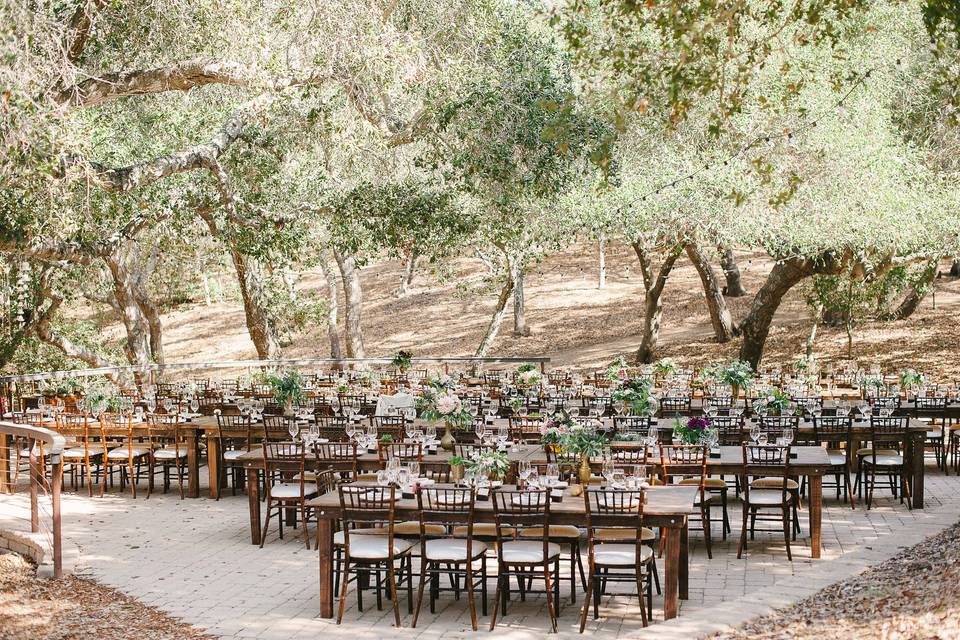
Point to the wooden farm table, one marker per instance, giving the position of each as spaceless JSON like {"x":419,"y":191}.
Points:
{"x":667,"y":508}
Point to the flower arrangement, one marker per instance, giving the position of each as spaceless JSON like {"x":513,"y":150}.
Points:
{"x":287,"y":387}
{"x":635,"y":394}
{"x":102,"y":397}
{"x":617,"y":369}
{"x":777,"y":400}
{"x":63,"y":387}
{"x":665,"y":367}
{"x":554,"y":429}
{"x":737,"y":373}
{"x":443,"y":405}
{"x":911,"y":378}
{"x":693,"y":431}
{"x":487,"y":462}
{"x":528,"y":375}
{"x":402,"y":360}
{"x":583,"y":442}
{"x":441,"y":382}
{"x":806,"y":365}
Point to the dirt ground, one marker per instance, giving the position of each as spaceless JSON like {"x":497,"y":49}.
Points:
{"x":575,"y":323}
{"x":33,"y":608}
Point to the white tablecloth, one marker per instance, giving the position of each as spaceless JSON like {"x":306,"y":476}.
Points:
{"x":386,"y":404}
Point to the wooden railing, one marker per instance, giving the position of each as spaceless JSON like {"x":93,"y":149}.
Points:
{"x":158,"y":369}
{"x":50,"y":450}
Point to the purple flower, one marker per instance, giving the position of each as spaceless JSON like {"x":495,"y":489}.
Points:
{"x":698,"y":424}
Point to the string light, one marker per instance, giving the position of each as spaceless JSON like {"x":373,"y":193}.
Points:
{"x":858,"y":81}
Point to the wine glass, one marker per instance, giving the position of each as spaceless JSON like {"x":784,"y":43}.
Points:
{"x":552,"y":473}
{"x":431,"y":432}
{"x":413,"y":468}
{"x":481,"y":430}
{"x":409,"y":428}
{"x":755,"y":433}
{"x":787,"y":436}
{"x":607,"y":470}
{"x":350,"y":429}
{"x":383,"y":478}
{"x":293,"y":429}
{"x":762,"y":439}
{"x":524,"y":470}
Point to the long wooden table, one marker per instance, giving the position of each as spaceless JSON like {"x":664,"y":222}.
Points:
{"x":667,"y":508}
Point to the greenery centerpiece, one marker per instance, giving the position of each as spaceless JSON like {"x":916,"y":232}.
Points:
{"x":528,"y":375}
{"x":402,"y":360}
{"x":554,"y":430}
{"x":617,"y":370}
{"x":776,"y":401}
{"x":102,"y":397}
{"x":738,"y":375}
{"x":665,"y":367}
{"x":634,"y":395}
{"x":584,"y":443}
{"x":287,"y":387}
{"x":438,"y":403}
{"x":911,"y":379}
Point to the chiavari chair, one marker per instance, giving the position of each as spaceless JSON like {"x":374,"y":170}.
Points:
{"x":885,"y":458}
{"x":688,"y":462}
{"x":526,"y":429}
{"x":615,"y":553}
{"x":530,"y":558}
{"x":125,"y":453}
{"x":369,"y":546}
{"x":235,"y":435}
{"x":84,"y":448}
{"x":280,"y":459}
{"x":835,"y":433}
{"x":768,"y":503}
{"x":168,"y":450}
{"x":446,"y":508}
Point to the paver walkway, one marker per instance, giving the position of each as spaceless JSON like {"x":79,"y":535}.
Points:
{"x":193,"y":559}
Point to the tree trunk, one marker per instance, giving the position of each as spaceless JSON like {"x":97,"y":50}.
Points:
{"x":406,"y":279}
{"x":150,"y":310}
{"x":353,"y":298}
{"x":494,"y":327}
{"x":915,"y":294}
{"x":137,"y":344}
{"x":333,"y":330}
{"x":815,"y":324}
{"x":955,"y":268}
{"x":517,"y":275}
{"x":784,"y":275}
{"x":652,"y":303}
{"x":259,"y":325}
{"x":602,"y":246}
{"x":734,"y":288}
{"x":719,"y":314}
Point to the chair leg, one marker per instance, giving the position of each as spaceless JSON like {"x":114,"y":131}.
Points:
{"x":743,"y":533}
{"x":550,"y":601}
{"x":471,"y":603}
{"x":786,"y":530}
{"x":266,"y":523}
{"x":586,"y":601}
{"x":392,"y":579}
{"x":496,"y":600}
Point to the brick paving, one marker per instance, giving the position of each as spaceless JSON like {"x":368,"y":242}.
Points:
{"x":193,"y":560}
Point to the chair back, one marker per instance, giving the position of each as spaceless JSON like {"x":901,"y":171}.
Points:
{"x":364,"y":506}
{"x":518,"y":510}
{"x":729,"y":429}
{"x":832,"y":431}
{"x":339,"y":457}
{"x":392,"y":426}
{"x":235,"y":431}
{"x":674,"y":404}
{"x":613,"y":509}
{"x":688,"y":460}
{"x":277,"y":428}
{"x":774,"y":426}
{"x":889,"y":432}
{"x":631,"y":425}
{"x":448,"y":507}
{"x":931,"y":403}
{"x":402,"y":451}
{"x":281,"y":459}
{"x":526,"y":429}
{"x":766,"y":461}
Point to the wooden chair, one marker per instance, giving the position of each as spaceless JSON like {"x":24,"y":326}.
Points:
{"x":638,"y":426}
{"x":393,"y":426}
{"x":526,"y":429}
{"x":277,"y":428}
{"x":445,"y":508}
{"x":364,"y":509}
{"x":927,"y":408}
{"x":615,"y":551}
{"x":523,"y":559}
{"x":168,"y":450}
{"x":125,"y":453}
{"x":84,"y":448}
{"x":768,"y":461}
{"x":280,"y":460}
{"x":235,"y":434}
{"x":885,"y":458}
{"x":676,"y":405}
{"x":834,"y":433}
{"x":332,"y":428}
{"x":689,"y":463}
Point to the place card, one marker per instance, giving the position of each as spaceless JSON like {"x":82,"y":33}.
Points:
{"x":556,"y":495}
{"x":483,"y":493}
{"x":714,"y":453}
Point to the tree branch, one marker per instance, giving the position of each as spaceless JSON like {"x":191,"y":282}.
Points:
{"x":78,"y":29}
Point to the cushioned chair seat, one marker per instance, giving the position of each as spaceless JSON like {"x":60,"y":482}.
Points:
{"x":453,"y":550}
{"x":77,"y":453}
{"x":566,"y":531}
{"x":709,"y":483}
{"x":885,"y":460}
{"x":291,"y":490}
{"x":837,"y":459}
{"x":412,"y":528}
{"x":765,"y":497}
{"x":620,"y":555}
{"x":370,"y":531}
{"x":528,"y":551}
{"x":620,"y":535}
{"x":866,"y":451}
{"x":169,"y":454}
{"x":233,"y":454}
{"x":366,"y":477}
{"x":309,"y":476}
{"x":483,"y":530}
{"x":773,"y":483}
{"x":121,"y":453}
{"x":374,"y":547}
{"x":934,"y":435}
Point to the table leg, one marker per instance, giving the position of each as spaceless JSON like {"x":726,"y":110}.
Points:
{"x":816,"y":517}
{"x":671,"y":573}
{"x":193,"y":464}
{"x":6,"y":477}
{"x":253,"y":498}
{"x":213,"y":465}
{"x":684,"y":568}
{"x":325,"y":537}
{"x":917,"y":443}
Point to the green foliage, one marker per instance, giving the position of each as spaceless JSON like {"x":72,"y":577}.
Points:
{"x":582,"y":442}
{"x":287,"y":387}
{"x":736,"y":373}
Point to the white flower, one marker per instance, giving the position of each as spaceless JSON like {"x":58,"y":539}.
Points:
{"x":447,"y":404}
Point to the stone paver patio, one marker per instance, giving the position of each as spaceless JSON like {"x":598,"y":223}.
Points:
{"x":193,"y":559}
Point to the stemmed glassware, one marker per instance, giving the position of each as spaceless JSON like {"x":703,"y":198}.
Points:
{"x":524,"y":470}
{"x":755,"y":433}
